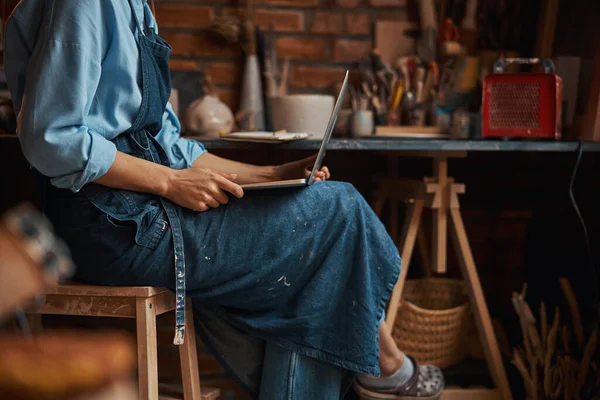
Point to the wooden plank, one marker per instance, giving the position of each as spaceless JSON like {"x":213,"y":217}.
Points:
{"x":115,"y":291}
{"x":89,"y":306}
{"x":439,"y":245}
{"x":591,"y":124}
{"x":164,"y":302}
{"x":547,"y":29}
{"x":470,"y":394}
{"x":147,"y":350}
{"x":392,"y":41}
{"x":479,"y":306}
{"x":189,"y":358}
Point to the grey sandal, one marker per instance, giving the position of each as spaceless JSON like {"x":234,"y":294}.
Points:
{"x":426,"y":383}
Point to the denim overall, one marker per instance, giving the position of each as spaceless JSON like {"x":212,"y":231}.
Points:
{"x":308,"y":270}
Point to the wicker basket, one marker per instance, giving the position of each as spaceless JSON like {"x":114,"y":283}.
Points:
{"x":433,"y":320}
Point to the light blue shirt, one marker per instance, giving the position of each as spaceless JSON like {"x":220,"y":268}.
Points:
{"x":73,"y":70}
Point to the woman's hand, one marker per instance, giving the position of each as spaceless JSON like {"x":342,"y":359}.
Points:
{"x":200,"y":189}
{"x":300,"y":169}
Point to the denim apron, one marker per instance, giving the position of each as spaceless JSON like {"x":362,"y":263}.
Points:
{"x":307,"y":269}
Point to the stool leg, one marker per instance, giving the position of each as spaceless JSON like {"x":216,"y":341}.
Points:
{"x":189,"y":359}
{"x":145,"y":315}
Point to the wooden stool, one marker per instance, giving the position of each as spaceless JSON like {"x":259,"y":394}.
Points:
{"x":440,"y":194}
{"x":143,"y":303}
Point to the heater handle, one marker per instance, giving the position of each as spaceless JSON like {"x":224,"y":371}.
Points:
{"x":502,"y":63}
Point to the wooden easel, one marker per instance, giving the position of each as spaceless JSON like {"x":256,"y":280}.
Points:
{"x":440,"y":194}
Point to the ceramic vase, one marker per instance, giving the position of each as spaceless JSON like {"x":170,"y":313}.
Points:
{"x":251,"y":102}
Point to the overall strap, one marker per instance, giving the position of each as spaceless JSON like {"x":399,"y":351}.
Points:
{"x":141,"y":26}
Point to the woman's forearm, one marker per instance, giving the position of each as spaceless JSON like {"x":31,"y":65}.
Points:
{"x":246,"y":173}
{"x":132,"y":173}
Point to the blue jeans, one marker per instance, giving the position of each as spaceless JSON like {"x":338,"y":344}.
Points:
{"x":288,"y":375}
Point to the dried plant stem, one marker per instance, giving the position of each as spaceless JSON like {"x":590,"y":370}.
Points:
{"x":544,"y":324}
{"x":525,"y":331}
{"x":588,"y":353}
{"x":566,"y":339}
{"x":520,"y":365}
{"x":534,"y":378}
{"x":574,"y":309}
{"x":534,"y":337}
{"x":557,"y":379}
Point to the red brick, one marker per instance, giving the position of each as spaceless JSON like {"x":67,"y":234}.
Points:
{"x":351,"y":50}
{"x":188,"y":44}
{"x":387,"y":3}
{"x":183,"y":16}
{"x":302,"y":48}
{"x":280,"y":20}
{"x":396,"y":15}
{"x":316,"y":77}
{"x":225,"y":73}
{"x":358,"y":24}
{"x":348,"y":3}
{"x":290,"y":3}
{"x":183,"y":65}
{"x":328,"y":22}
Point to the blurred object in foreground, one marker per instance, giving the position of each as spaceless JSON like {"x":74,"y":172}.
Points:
{"x":31,"y":256}
{"x":67,"y":365}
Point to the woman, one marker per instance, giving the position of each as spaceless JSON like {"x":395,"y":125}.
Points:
{"x":306,"y":271}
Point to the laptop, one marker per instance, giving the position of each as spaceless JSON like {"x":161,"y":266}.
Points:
{"x":320,"y":156}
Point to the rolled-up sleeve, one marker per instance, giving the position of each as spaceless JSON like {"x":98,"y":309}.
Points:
{"x":62,"y":78}
{"x":58,"y":96}
{"x":183,"y":151}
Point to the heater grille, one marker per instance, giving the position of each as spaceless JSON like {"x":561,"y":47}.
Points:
{"x":514,"y":105}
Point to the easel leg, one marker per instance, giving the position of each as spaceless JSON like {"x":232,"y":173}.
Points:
{"x":440,"y":217}
{"x":378,"y":203}
{"x":409,"y":236}
{"x":481,"y":313}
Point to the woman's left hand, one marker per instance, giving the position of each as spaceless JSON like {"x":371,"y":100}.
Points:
{"x":301,"y":169}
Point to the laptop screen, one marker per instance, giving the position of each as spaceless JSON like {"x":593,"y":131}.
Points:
{"x":330,"y":126}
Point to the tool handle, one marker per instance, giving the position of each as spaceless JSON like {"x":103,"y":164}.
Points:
{"x":502,"y":63}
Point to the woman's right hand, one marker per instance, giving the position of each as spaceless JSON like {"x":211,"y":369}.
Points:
{"x":200,"y":189}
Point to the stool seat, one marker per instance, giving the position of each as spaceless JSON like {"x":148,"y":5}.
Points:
{"x":72,"y":289}
{"x":143,"y":303}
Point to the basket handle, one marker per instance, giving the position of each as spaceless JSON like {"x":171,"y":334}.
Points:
{"x":502,"y":63}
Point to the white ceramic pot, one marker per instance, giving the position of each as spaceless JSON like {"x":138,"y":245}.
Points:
{"x":302,"y":113}
{"x":208,"y":116}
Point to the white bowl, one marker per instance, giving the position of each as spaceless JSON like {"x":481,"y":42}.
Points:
{"x":302,"y":113}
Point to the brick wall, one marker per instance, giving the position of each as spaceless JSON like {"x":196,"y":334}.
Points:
{"x":321,"y":38}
